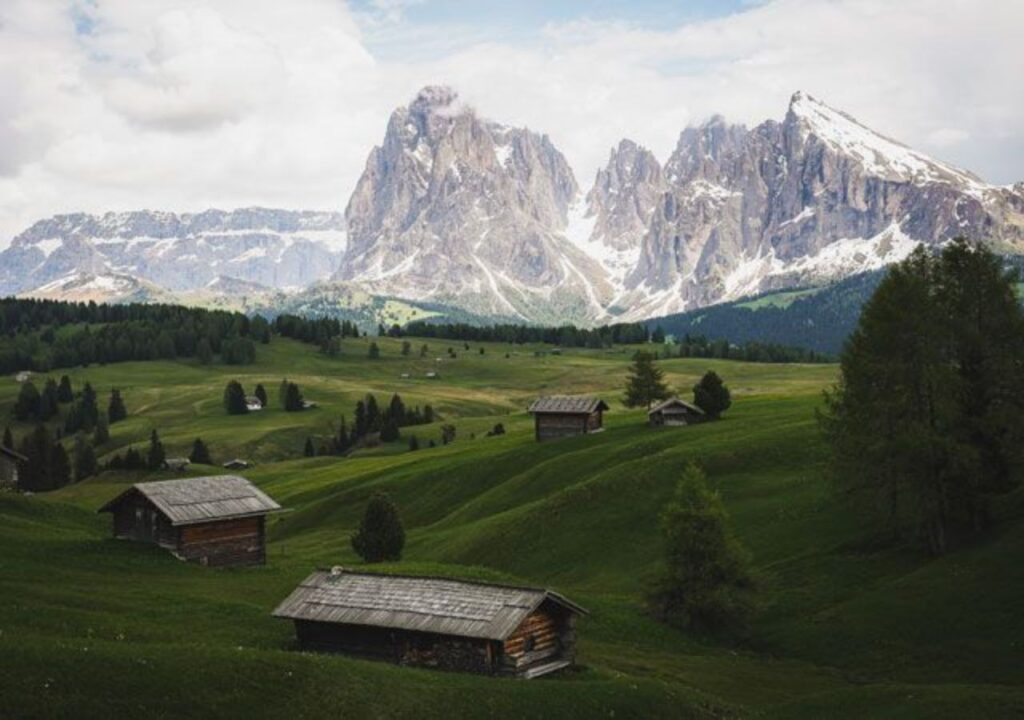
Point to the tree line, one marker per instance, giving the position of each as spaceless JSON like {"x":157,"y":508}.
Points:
{"x":43,"y":334}
{"x":566,"y":335}
{"x":371,"y":420}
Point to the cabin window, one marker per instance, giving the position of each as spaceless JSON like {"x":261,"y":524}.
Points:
{"x":138,"y":514}
{"x":529,"y":643}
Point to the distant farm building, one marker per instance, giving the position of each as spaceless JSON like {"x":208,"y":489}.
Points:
{"x":23,"y":376}
{"x":214,"y":521}
{"x":177,"y":464}
{"x":674,"y":412}
{"x":10,"y":463}
{"x":309,"y":404}
{"x":253,"y":403}
{"x":236,"y":464}
{"x":405,"y":376}
{"x":432,"y":375}
{"x":435,"y":622}
{"x":560,"y":416}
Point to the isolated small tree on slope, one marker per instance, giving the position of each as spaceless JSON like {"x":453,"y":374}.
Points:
{"x":705,"y":585}
{"x":200,"y":453}
{"x":234,"y":399}
{"x":646,"y":382}
{"x":380,"y":536}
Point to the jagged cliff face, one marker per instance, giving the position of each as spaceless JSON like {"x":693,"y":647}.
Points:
{"x":460,"y":211}
{"x":277,"y":248}
{"x":455,"y":209}
{"x":814,"y":198}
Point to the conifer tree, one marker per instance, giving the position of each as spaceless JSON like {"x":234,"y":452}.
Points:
{"x":261,"y":394}
{"x":646,"y":382}
{"x":234,"y":399}
{"x":48,"y":402}
{"x":711,"y":395}
{"x":200,"y":454}
{"x":293,"y":398}
{"x":116,"y":410}
{"x":88,"y":410}
{"x":424,"y":349}
{"x":374,"y":351}
{"x":26,"y":407}
{"x":64,"y":392}
{"x":704,"y":585}
{"x":204,"y":353}
{"x":282,"y":393}
{"x":361,"y":425}
{"x":85,"y":459}
{"x":155,"y":456}
{"x":8,"y":441}
{"x":406,"y":347}
{"x":308,"y":450}
{"x":380,"y":536}
{"x":414,"y":443}
{"x":102,"y":433}
{"x":373,"y":418}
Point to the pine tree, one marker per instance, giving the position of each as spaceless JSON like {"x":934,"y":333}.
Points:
{"x":373,"y":418}
{"x":261,"y":394}
{"x":102,"y":433}
{"x":406,"y":347}
{"x":64,"y":392}
{"x":155,"y":456}
{"x":396,"y":410}
{"x":60,"y":467}
{"x":705,"y":585}
{"x":200,"y":454}
{"x":424,"y":349}
{"x":361,"y":425}
{"x":116,"y":410}
{"x":428,"y":414}
{"x":646,"y":382}
{"x":293,"y":399}
{"x":85,"y":459}
{"x":380,"y":536}
{"x":389,"y":430}
{"x":49,"y":405}
{"x":923,"y":424}
{"x":414,"y":443}
{"x":309,"y":450}
{"x":447,"y":434}
{"x":374,"y":352}
{"x":8,"y":441}
{"x":711,"y":395}
{"x":89,"y":412}
{"x":133,"y":459}
{"x":234,"y":399}
{"x":26,"y":407}
{"x":282,"y":393}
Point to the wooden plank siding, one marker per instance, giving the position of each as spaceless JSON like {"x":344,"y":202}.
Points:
{"x":554,"y":426}
{"x":8,"y":473}
{"x":224,"y":542}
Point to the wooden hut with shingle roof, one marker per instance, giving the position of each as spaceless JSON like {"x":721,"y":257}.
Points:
{"x":217,"y":521}
{"x":435,"y":622}
{"x":674,"y":412}
{"x":10,"y":464}
{"x":560,"y":416}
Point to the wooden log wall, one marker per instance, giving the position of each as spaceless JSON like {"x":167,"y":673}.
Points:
{"x":224,"y":542}
{"x":553,"y":426}
{"x":540,"y":637}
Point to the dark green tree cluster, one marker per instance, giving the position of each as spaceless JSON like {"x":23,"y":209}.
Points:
{"x":95,"y":333}
{"x":85,"y":459}
{"x":705,"y":584}
{"x":131,"y":460}
{"x":84,"y":413}
{"x":200,"y":453}
{"x":566,"y":335}
{"x":316,"y":331}
{"x":645,"y":383}
{"x":48,"y":466}
{"x":925,"y":423}
{"x":292,"y":400}
{"x":155,"y":455}
{"x":234,"y":398}
{"x":238,"y":351}
{"x":380,"y":536}
{"x":116,"y":411}
{"x":711,"y":395}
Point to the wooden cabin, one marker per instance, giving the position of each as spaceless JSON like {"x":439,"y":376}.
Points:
{"x":236,"y":464}
{"x":253,"y":403}
{"x":435,"y":622}
{"x":674,"y":412}
{"x":10,"y":464}
{"x":561,"y":416}
{"x":214,"y":521}
{"x":176,"y":464}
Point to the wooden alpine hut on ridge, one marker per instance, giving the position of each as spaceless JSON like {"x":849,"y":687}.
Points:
{"x":216,"y":521}
{"x":435,"y":622}
{"x":675,"y":412}
{"x":560,"y":416}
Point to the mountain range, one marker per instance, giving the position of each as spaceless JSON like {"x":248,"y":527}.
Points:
{"x":456,"y":214}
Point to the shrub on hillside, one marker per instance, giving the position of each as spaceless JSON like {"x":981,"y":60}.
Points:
{"x":380,"y":536}
{"x":711,"y":395}
{"x":234,"y":399}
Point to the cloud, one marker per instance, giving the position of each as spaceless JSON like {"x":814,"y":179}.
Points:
{"x":186,"y":104}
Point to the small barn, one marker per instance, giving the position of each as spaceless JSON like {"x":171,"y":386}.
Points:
{"x":176,"y":464}
{"x":236,"y":464}
{"x":253,"y":403}
{"x":209,"y":520}
{"x":435,"y":622}
{"x":10,"y":463}
{"x":560,"y":416}
{"x":674,"y":412}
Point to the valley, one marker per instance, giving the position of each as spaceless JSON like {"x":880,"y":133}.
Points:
{"x":93,"y":627}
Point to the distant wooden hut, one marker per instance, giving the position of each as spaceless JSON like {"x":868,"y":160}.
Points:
{"x":10,"y":464}
{"x":253,"y":403}
{"x":210,"y":520}
{"x":176,"y":464}
{"x":435,"y":622}
{"x":674,"y":412}
{"x":236,"y":464}
{"x":558,"y":416}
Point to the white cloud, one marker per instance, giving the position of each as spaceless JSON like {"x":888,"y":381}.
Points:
{"x":185,"y":104}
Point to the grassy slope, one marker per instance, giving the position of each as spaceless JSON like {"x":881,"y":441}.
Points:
{"x":87,"y":623}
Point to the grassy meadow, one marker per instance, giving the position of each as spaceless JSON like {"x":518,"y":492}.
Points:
{"x":93,"y":627}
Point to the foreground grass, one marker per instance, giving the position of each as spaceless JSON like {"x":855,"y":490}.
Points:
{"x":93,"y":627}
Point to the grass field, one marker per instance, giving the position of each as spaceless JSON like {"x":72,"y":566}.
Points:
{"x":92,"y":627}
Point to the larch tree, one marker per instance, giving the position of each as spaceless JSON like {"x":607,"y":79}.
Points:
{"x":645,"y":383}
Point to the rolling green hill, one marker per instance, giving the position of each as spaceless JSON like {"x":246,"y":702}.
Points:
{"x":93,"y":627}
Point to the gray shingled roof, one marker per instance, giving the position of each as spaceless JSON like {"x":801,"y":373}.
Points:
{"x":425,"y":604}
{"x":199,"y":499}
{"x":567,"y":404}
{"x":677,"y":402}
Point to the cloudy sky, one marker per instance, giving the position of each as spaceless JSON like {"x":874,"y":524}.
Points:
{"x":189,"y":104}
